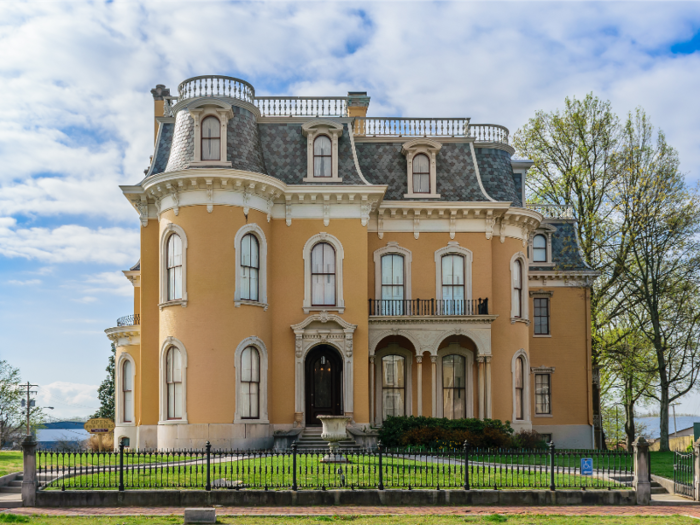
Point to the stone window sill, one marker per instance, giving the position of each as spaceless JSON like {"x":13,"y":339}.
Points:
{"x":173,"y":422}
{"x":251,"y":421}
{"x":544,"y":415}
{"x":421,"y":196}
{"x":240,"y":302}
{"x":221,"y":163}
{"x":316,"y":180}
{"x":514,"y":320}
{"x":309,"y":309}
{"x":181,"y":302}
{"x":542,"y":335}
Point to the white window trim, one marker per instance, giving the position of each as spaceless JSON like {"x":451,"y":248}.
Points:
{"x":259,"y":345}
{"x":542,"y":295}
{"x":430,"y":148}
{"x":392,"y":247}
{"x":393,"y":349}
{"x":339,"y":256}
{"x":224,"y":114}
{"x":262,"y":260}
{"x":453,"y":247}
{"x":452,"y":349}
{"x":547,"y":231}
{"x":544,"y":370}
{"x":313,"y":129}
{"x":525,"y":296}
{"x":527,"y":417}
{"x":172,"y":341}
{"x":168,"y":230}
{"x":118,"y":405}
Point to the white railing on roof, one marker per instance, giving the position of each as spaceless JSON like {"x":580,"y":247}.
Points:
{"x":411,"y":127}
{"x":552,"y":211}
{"x":302,"y":106}
{"x":216,"y":86}
{"x":489,"y":133}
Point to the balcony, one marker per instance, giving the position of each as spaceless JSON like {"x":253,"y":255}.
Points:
{"x":129,"y":320}
{"x":428,"y":307}
{"x":552,"y":211}
{"x":127,"y":332}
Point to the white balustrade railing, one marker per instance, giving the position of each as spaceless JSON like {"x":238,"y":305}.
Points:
{"x":489,"y":133}
{"x":552,"y":211}
{"x":302,"y":106}
{"x":216,"y":86}
{"x":411,"y":127}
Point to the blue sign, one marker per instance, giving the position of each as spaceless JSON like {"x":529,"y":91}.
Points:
{"x":586,"y":466}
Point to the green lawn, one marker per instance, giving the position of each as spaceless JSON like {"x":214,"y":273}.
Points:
{"x":10,"y":461}
{"x":360,"y":520}
{"x":662,"y":464}
{"x":363,"y":472}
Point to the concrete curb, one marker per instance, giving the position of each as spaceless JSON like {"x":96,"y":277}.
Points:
{"x":261,"y":498}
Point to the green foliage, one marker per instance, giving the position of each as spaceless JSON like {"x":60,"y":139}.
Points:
{"x":106,"y":390}
{"x":495,"y":518}
{"x":13,"y":518}
{"x":446,"y":433}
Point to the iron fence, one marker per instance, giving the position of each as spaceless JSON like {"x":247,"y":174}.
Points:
{"x":683,"y":473}
{"x":421,"y":307}
{"x":206,"y":469}
{"x":129,"y":320}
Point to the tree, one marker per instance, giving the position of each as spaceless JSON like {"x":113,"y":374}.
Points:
{"x":13,"y":416}
{"x":662,"y":266}
{"x":105,"y":392}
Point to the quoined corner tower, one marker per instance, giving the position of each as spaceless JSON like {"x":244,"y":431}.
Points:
{"x":300,"y":258}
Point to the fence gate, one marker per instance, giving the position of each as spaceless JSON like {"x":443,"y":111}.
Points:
{"x":684,"y":473}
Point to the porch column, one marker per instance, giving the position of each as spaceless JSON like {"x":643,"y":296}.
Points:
{"x":433,"y":365}
{"x":298,"y":380}
{"x":349,"y":389}
{"x":372,"y":388}
{"x":419,"y":371}
{"x":480,"y":384}
{"x":487,"y":364}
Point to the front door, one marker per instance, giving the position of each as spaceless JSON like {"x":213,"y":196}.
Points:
{"x":324,"y":380}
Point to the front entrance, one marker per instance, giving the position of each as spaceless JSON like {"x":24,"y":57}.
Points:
{"x":324,"y":384}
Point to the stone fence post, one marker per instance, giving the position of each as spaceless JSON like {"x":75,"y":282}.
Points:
{"x":642,"y":483}
{"x":29,"y":477}
{"x":696,"y":473}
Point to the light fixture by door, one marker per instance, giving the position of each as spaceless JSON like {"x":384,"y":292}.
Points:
{"x":323,"y":360}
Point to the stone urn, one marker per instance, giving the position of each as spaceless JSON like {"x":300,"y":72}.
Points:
{"x":335,"y":429}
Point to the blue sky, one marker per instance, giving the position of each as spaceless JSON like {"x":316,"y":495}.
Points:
{"x":77,"y":119}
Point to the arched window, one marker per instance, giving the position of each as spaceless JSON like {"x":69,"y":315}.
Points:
{"x":173,"y":379}
{"x":539,"y":248}
{"x":519,"y":388}
{"x":174,"y":266}
{"x":421,"y":174}
{"x":392,"y":284}
{"x":323,"y":275}
{"x":454,"y":382}
{"x":250,"y":384}
{"x":518,"y":288}
{"x":250,"y":267}
{"x":322,"y":157}
{"x":393,"y":386}
{"x":211,"y":139}
{"x":127,"y":392}
{"x":453,"y":285}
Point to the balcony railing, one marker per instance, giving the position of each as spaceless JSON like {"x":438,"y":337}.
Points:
{"x":552,"y":211}
{"x":302,"y":106}
{"x":411,"y":127}
{"x":216,"y":86}
{"x":425,"y":307}
{"x":129,"y":320}
{"x":489,"y":133}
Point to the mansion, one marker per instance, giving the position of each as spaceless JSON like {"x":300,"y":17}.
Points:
{"x":300,"y":258}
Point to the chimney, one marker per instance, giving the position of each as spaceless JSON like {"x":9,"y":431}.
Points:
{"x":158,"y":93}
{"x":358,"y":102}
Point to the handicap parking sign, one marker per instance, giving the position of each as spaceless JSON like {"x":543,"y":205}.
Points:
{"x":586,"y":466}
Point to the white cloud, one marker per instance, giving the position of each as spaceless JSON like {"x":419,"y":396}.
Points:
{"x":86,"y":299}
{"x":109,"y":282}
{"x":28,"y":282}
{"x":68,"y":399}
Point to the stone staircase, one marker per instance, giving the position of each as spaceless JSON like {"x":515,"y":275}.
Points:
{"x":656,"y":487}
{"x":310,"y":439}
{"x":14,"y":486}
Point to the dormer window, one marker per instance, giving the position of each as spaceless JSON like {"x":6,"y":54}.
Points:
{"x":322,"y":157}
{"x":211,"y":139}
{"x":322,"y":150}
{"x":421,"y":170}
{"x":421,"y":174}
{"x":539,"y":248}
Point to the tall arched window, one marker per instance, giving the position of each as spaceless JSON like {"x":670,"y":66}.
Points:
{"x":173,"y":379}
{"x":453,"y":285}
{"x":250,"y":267}
{"x":454,"y":387}
{"x":323,"y":275}
{"x":127,"y":392}
{"x":174,"y":256}
{"x":250,"y":384}
{"x":421,"y":174}
{"x":392,"y":284}
{"x":519,"y":388}
{"x":518,"y":288}
{"x":539,"y":248}
{"x":322,"y":157}
{"x":393,"y":386}
{"x":211,"y":139}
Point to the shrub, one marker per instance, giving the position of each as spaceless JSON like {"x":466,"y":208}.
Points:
{"x":529,"y":439}
{"x":432,"y":432}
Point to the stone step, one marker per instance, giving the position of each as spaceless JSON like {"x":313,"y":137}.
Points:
{"x":658,"y":490}
{"x":11,"y":490}
{"x":14,"y":483}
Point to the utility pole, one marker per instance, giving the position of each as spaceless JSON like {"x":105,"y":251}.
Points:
{"x":29,"y":386}
{"x":675,"y":427}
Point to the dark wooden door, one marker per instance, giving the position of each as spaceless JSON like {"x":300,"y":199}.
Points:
{"x":324,"y":369}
